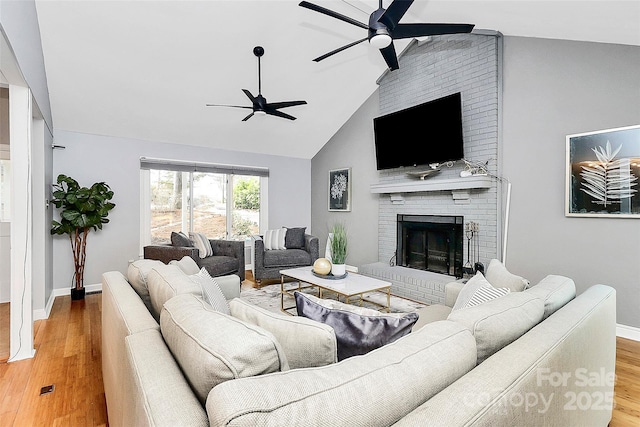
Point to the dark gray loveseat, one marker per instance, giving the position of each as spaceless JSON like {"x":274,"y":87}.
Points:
{"x":268,"y":263}
{"x":227,"y":258}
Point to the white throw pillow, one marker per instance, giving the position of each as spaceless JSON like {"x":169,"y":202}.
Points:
{"x":486,"y":293}
{"x":274,"y":239}
{"x":211,"y":292}
{"x":186,"y":264}
{"x":203,"y":244}
{"x":466,"y":293}
{"x":498,"y":275}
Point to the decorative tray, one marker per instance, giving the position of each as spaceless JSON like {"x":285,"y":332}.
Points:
{"x":422,"y":174}
{"x":330,"y":276}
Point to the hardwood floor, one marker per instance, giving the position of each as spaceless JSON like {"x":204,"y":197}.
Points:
{"x":5,"y":338}
{"x":68,"y":347}
{"x":627,"y":391}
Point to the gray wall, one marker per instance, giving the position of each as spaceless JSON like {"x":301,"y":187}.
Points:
{"x":551,"y":89}
{"x":116,"y":161}
{"x":351,"y":147}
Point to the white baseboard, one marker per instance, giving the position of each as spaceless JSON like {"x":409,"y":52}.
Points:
{"x":61,"y":292}
{"x":44,"y":313}
{"x":628,"y":332}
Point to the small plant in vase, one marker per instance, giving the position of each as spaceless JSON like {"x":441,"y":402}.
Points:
{"x":338,"y":240}
{"x":82,"y":209}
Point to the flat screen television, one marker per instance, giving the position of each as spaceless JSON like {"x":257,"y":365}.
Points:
{"x":421,"y":135}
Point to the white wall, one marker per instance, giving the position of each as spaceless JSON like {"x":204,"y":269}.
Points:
{"x":22,"y":64}
{"x":19,"y":20}
{"x":116,"y":161}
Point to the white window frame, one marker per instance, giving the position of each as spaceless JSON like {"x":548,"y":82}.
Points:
{"x":145,"y":193}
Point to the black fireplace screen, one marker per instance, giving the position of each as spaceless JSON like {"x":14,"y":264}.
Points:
{"x":431,"y":243}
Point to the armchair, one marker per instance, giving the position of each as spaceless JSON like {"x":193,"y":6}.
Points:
{"x":268,"y":263}
{"x":227,"y":258}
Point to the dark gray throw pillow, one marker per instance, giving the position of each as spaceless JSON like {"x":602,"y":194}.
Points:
{"x":180,"y":239}
{"x":294,"y":238}
{"x":355,"y":333}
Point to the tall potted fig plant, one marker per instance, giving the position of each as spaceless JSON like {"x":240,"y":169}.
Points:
{"x":82,"y":209}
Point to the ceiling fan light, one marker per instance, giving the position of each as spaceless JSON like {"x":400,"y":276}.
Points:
{"x":380,"y":40}
{"x":260,"y":113}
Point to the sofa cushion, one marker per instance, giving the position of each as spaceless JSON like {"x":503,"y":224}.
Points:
{"x":286,"y":258}
{"x":275,"y":239}
{"x":306,"y":343}
{"x":498,"y":323}
{"x":180,"y":239}
{"x":294,"y":238}
{"x":186,"y":264}
{"x":167,"y":281}
{"x":203,"y":244}
{"x":376,"y":389}
{"x":155,"y":391}
{"x":211,"y":292}
{"x":430,"y":314}
{"x":498,"y":275}
{"x":555,"y":291}
{"x":219,"y":265}
{"x":211,"y":347}
{"x":137,"y":273}
{"x":358,"y":329}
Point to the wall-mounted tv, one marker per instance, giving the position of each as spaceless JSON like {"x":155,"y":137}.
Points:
{"x":424,"y":134}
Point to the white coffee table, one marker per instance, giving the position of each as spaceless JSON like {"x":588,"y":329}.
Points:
{"x":353,"y":285}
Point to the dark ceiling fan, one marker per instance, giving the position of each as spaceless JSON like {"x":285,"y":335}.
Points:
{"x":384,"y":27}
{"x":259,"y":102}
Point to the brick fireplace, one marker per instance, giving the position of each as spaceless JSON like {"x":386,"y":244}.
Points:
{"x":465,"y":63}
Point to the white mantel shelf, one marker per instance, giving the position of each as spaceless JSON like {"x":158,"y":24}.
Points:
{"x":459,"y":187}
{"x":467,"y":183}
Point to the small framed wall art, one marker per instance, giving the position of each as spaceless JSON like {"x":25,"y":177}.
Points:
{"x":340,"y":190}
{"x":603,"y":173}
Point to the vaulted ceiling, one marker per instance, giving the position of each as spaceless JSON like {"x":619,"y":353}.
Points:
{"x":145,"y":69}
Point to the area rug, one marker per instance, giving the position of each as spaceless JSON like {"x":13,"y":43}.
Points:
{"x":268,"y":297}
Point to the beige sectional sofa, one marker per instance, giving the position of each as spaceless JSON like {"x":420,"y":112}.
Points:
{"x":198,"y":367}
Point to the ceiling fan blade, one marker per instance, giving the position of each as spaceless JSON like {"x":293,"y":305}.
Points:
{"x":251,"y":97}
{"x":276,"y":105}
{"x":333,"y":14}
{"x":248,"y":117}
{"x":394,"y":13}
{"x":279,"y":114}
{"x":389,"y":55}
{"x":340,"y":49}
{"x":403,"y":31}
{"x":227,"y":105}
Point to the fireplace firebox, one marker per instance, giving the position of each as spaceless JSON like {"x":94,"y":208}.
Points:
{"x":430,"y":242}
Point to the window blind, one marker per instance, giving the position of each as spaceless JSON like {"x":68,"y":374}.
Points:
{"x":186,"y":166}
